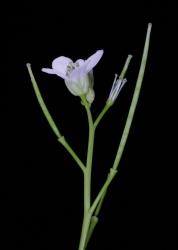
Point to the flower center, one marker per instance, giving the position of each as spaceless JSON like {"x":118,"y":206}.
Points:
{"x":70,"y":67}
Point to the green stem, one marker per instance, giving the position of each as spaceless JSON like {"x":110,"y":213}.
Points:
{"x":42,"y":104}
{"x":63,"y":141}
{"x":93,"y":223}
{"x":94,"y":218}
{"x":111,"y":175}
{"x":100,"y":197}
{"x":126,"y":65}
{"x":130,"y":115}
{"x":50,"y":120}
{"x":102,"y":113}
{"x":84,"y":232}
{"x":100,"y":203}
{"x":134,"y":100}
{"x":87,"y":177}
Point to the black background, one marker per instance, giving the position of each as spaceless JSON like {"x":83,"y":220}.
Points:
{"x":42,"y":197}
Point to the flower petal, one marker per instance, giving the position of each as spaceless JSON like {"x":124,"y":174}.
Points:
{"x":86,"y":66}
{"x":60,"y":65}
{"x":80,"y":62}
{"x":93,"y":60}
{"x":47,"y":70}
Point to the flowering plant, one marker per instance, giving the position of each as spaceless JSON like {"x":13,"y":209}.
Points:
{"x":78,"y":77}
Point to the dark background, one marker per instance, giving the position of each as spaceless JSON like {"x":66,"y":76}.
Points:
{"x":42,"y":197}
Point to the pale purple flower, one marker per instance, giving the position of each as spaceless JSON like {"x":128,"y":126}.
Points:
{"x":77,"y":75}
{"x":118,"y":84}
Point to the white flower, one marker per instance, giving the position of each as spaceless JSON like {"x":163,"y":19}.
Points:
{"x":116,"y":89}
{"x":77,"y":75}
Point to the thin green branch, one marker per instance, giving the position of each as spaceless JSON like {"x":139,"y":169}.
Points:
{"x":93,"y":223}
{"x":102,"y":113}
{"x":125,"y":68}
{"x":111,"y":175}
{"x":42,"y":104}
{"x":100,"y":203}
{"x":50,"y":120}
{"x":134,"y":100}
{"x":63,"y":141}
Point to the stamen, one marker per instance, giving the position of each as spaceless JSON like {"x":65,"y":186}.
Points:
{"x":114,"y":83}
{"x":70,"y":68}
{"x":116,"y":75}
{"x":116,"y":88}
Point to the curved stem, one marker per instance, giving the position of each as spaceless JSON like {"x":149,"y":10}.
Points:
{"x":50,"y":120}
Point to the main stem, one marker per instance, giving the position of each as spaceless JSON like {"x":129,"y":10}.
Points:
{"x":87,"y":178}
